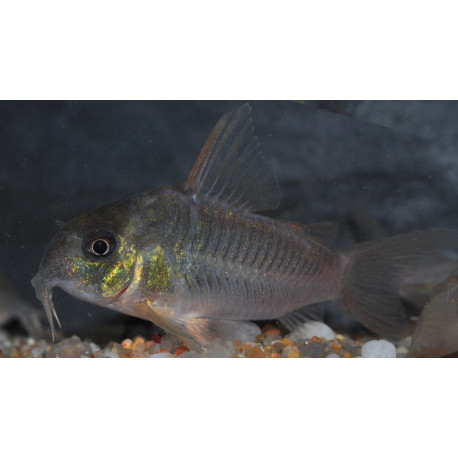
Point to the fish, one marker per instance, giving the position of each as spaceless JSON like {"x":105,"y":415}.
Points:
{"x":436,"y":331}
{"x":202,"y":261}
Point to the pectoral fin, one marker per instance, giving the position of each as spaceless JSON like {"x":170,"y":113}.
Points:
{"x":198,"y":333}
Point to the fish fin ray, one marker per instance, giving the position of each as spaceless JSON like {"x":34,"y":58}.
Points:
{"x":197,"y":332}
{"x":206,"y":330}
{"x":295,"y":319}
{"x":232,"y":169}
{"x":373,"y":272}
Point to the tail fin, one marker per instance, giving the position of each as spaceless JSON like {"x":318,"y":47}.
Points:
{"x":374,"y":271}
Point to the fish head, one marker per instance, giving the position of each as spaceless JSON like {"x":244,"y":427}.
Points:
{"x":92,"y":258}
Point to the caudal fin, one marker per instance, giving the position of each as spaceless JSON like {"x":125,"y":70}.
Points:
{"x":373,"y":273}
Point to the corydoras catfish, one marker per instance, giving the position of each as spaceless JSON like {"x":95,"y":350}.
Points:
{"x":198,"y":260}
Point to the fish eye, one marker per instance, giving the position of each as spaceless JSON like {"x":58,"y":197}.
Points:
{"x":100,"y":244}
{"x":100,"y":247}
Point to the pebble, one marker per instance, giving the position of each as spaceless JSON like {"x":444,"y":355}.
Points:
{"x":192,"y":354}
{"x":378,"y":349}
{"x":39,"y":349}
{"x":312,"y":329}
{"x":164,"y":354}
{"x":107,"y":353}
{"x":313,"y":350}
{"x":270,"y":340}
{"x":247,"y":332}
{"x":402,"y":351}
{"x":219,"y":349}
{"x":290,"y":351}
{"x":403,"y":346}
{"x":94,"y":347}
{"x":169,"y":346}
{"x":170,"y":342}
{"x":271,"y":331}
{"x":69,"y":348}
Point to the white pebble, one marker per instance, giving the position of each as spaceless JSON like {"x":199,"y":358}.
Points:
{"x":378,"y":349}
{"x":333,"y":355}
{"x":94,"y":347}
{"x":219,"y":349}
{"x":192,"y":354}
{"x":402,"y":351}
{"x":164,"y":354}
{"x":312,"y":329}
{"x":106,"y":353}
{"x":247,"y":331}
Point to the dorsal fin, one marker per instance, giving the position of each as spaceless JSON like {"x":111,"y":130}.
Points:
{"x":323,"y":233}
{"x":232,"y":169}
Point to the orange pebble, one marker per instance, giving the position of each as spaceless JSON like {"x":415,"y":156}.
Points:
{"x":293,"y":354}
{"x":287,"y":342}
{"x":347,"y":355}
{"x":315,"y":339}
{"x":270,"y":331}
{"x":138,"y":344}
{"x":163,"y":350}
{"x":126,"y":343}
{"x":155,"y":338}
{"x":181,"y":350}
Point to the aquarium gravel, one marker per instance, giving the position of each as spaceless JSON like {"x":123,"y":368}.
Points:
{"x":270,"y":343}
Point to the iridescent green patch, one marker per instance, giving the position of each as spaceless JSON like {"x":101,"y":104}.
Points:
{"x":84,"y":271}
{"x":118,"y":276}
{"x":159,"y":272}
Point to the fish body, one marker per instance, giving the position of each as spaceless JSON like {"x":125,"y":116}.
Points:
{"x":199,"y":260}
{"x":208,"y":259}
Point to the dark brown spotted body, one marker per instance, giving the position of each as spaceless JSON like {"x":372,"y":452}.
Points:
{"x":199,"y":261}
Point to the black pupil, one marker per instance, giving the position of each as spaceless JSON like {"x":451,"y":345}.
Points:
{"x":100,"y":247}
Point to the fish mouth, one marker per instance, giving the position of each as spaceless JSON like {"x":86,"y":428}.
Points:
{"x":43,"y":291}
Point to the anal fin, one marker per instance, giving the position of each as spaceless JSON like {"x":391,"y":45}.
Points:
{"x":295,"y":319}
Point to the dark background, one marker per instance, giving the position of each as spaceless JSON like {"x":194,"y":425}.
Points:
{"x":59,"y":159}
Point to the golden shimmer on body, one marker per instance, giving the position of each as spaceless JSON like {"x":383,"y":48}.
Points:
{"x":119,"y":275}
{"x":159,"y":272}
